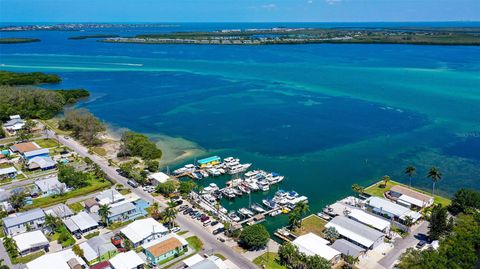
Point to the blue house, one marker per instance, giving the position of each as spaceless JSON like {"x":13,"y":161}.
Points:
{"x":125,"y":211}
{"x":164,"y":248}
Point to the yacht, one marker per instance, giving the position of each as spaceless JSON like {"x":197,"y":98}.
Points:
{"x":234,"y":216}
{"x":213,"y":172}
{"x":245,"y":212}
{"x":239,"y":168}
{"x":252,"y":186}
{"x":276,"y":213}
{"x":244,"y":188}
{"x":237,"y":192}
{"x":204,"y":173}
{"x":274,"y":178}
{"x":229,"y":193}
{"x":269,"y":203}
{"x":257,"y":208}
{"x":197,"y":175}
{"x":263,"y":185}
{"x":211,"y":188}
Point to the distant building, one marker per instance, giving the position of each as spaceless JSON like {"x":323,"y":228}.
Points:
{"x":64,"y":259}
{"x":81,"y":223}
{"x":164,"y":248}
{"x":409,"y":198}
{"x":99,"y":248}
{"x":24,"y":147}
{"x":61,"y":211}
{"x":30,"y":242}
{"x":29,"y":155}
{"x":142,"y":231}
{"x":391,"y":210}
{"x":50,"y":186}
{"x":311,"y":244}
{"x":209,"y":161}
{"x":91,"y":205}
{"x":158,"y":178}
{"x":9,"y":172}
{"x":14,"y":124}
{"x":126,"y":260}
{"x":109,"y":196}
{"x":356,"y":232}
{"x":18,"y":223}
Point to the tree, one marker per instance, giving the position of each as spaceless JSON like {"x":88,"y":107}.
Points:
{"x":84,"y":126}
{"x":52,"y":222}
{"x":357,"y":189}
{"x":385,"y":180}
{"x":73,"y":179}
{"x":290,"y":257}
{"x":17,"y":200}
{"x":254,"y":237}
{"x":435,"y":175}
{"x":410,"y":171}
{"x":317,"y":262}
{"x":186,"y":187}
{"x":77,"y":250}
{"x":26,"y":133}
{"x":135,"y":144}
{"x":294,"y":219}
{"x":350,"y":261}
{"x":170,"y":214}
{"x":3,"y":266}
{"x":288,"y":254}
{"x":331,"y":234}
{"x":155,"y":211}
{"x":408,"y":221}
{"x":166,"y":188}
{"x":104,"y":212}
{"x":152,"y":165}
{"x":10,"y":246}
{"x":438,"y":222}
{"x":2,"y":135}
{"x":464,"y":201}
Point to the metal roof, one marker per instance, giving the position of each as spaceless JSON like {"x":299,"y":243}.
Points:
{"x":121,"y":208}
{"x":355,"y":231}
{"x":23,"y":217}
{"x":369,"y":219}
{"x":8,"y":170}
{"x":312,"y":244}
{"x":347,"y":248}
{"x":209,"y":159}
{"x":36,"y":152}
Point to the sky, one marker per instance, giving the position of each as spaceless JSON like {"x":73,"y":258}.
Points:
{"x":238,"y":10}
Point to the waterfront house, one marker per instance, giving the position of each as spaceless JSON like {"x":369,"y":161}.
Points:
{"x":124,"y":211}
{"x":98,"y":248}
{"x":61,"y":211}
{"x":41,"y":162}
{"x":126,"y":260}
{"x":142,"y":231}
{"x":390,"y":210}
{"x":30,"y":242}
{"x":64,"y":259}
{"x":348,"y":248}
{"x":311,"y":244}
{"x":109,"y":196}
{"x":19,"y":222}
{"x":214,"y":160}
{"x":371,"y":220}
{"x":50,"y":186}
{"x":14,"y":124}
{"x":158,"y":178}
{"x":81,"y":223}
{"x":356,"y":232}
{"x":164,"y":248}
{"x":9,"y":172}
{"x":409,"y":198}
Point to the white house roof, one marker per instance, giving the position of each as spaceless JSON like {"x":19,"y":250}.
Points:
{"x":109,"y":196}
{"x":23,"y":217}
{"x":49,"y":184}
{"x":42,"y":162}
{"x":83,"y":221}
{"x":30,"y":240}
{"x":312,"y":244}
{"x":57,"y":260}
{"x":142,"y":229}
{"x":8,"y":170}
{"x":97,"y":245}
{"x":369,"y":219}
{"x":355,"y":231}
{"x":392,"y":208}
{"x":121,"y":208}
{"x":159,"y":177}
{"x":193,"y":260}
{"x":347,"y":248}
{"x":126,"y":260}
{"x":60,"y":210}
{"x":411,"y":200}
{"x":36,"y":152}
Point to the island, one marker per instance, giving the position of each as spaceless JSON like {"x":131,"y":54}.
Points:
{"x":81,"y":37}
{"x":408,"y":35}
{"x":8,"y":40}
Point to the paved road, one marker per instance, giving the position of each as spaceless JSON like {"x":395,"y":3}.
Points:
{"x":402,"y":244}
{"x":209,"y":240}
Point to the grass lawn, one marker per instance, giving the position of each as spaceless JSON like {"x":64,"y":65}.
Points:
{"x":69,"y":240}
{"x":27,"y":258}
{"x":92,"y":235}
{"x":268,"y":259}
{"x":95,"y":185}
{"x":377,"y":189}
{"x":99,"y":151}
{"x":195,"y":242}
{"x":182,"y":232}
{"x":313,"y":224}
{"x":125,"y":191}
{"x":47,"y":142}
{"x":76,"y":207}
{"x":53,"y":125}
{"x":117,"y":225}
{"x":220,"y":256}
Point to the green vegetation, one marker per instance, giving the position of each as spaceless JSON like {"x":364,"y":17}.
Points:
{"x":10,"y":247}
{"x":185,"y":187}
{"x":73,"y":179}
{"x":63,"y":236}
{"x":16,"y":40}
{"x":254,"y":237}
{"x":439,"y":225}
{"x":47,"y":143}
{"x":195,"y":243}
{"x":27,"y":258}
{"x":331,"y":234}
{"x":291,"y":258}
{"x":84,"y":126}
{"x":465,"y":201}
{"x":99,"y":151}
{"x":130,"y":170}
{"x":135,"y":144}
{"x":220,"y":256}
{"x":91,"y":235}
{"x":91,"y":36}
{"x":35,"y":103}
{"x":167,"y":188}
{"x":268,"y":260}
{"x":76,"y":207}
{"x":2,"y":131}
{"x":296,"y":215}
{"x":182,"y":232}
{"x":17,"y":200}
{"x":311,"y":224}
{"x":13,"y":78}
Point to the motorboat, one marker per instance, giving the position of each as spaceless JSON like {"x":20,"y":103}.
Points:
{"x":257,"y":208}
{"x":245,"y":212}
{"x":204,"y":173}
{"x":244,"y":188}
{"x":263,"y":185}
{"x":213,"y":172}
{"x":274,"y":178}
{"x":276,"y":213}
{"x":234,"y":216}
{"x":229,"y":193}
{"x":269,"y":203}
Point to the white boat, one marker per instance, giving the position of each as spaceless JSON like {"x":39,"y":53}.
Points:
{"x":263,"y":185}
{"x":229,"y":193}
{"x":244,"y":188}
{"x":245,"y":212}
{"x":257,"y":208}
{"x":252,"y":186}
{"x":203,"y":172}
{"x":234,"y":216}
{"x":274,"y":178}
{"x":237,"y":192}
{"x":269,"y":203}
{"x":221,"y":170}
{"x":276,"y":213}
{"x":213,"y":172}
{"x":211,"y":188}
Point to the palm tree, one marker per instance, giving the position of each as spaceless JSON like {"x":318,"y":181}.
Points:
{"x":435,"y":175}
{"x":294,"y":219}
{"x":52,"y":222}
{"x":103,"y":212}
{"x":357,"y":189}
{"x":331,"y":234}
{"x":170,"y":213}
{"x":155,"y":210}
{"x":385,"y":180}
{"x":351,"y":261}
{"x":410,"y":171}
{"x":10,"y":246}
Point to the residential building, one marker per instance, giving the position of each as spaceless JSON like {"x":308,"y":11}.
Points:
{"x":158,"y":178}
{"x":212,"y":262}
{"x":214,"y":160}
{"x":126,"y":260}
{"x":9,"y":172}
{"x":311,"y":244}
{"x":409,"y":198}
{"x":98,"y":248}
{"x":30,"y":242}
{"x":14,"y":124}
{"x":91,"y":205}
{"x":41,"y":162}
{"x":109,"y":196}
{"x":64,"y":259}
{"x":61,"y":210}
{"x":142,"y":231}
{"x":371,"y":220}
{"x":164,"y":248}
{"x":18,"y":223}
{"x":348,"y":248}
{"x":123,"y":211}
{"x":29,"y":155}
{"x":24,"y":147}
{"x":356,"y":232}
{"x":50,"y":186}
{"x":391,"y":210}
{"x":81,"y":223}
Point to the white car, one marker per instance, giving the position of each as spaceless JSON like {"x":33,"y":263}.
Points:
{"x":175,"y":229}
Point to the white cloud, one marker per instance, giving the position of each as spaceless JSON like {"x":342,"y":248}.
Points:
{"x":333,"y":2}
{"x":269,"y":6}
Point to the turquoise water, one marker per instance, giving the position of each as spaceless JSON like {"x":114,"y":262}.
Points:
{"x":325,"y":116}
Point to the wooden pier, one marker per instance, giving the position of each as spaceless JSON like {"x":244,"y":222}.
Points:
{"x":256,"y":217}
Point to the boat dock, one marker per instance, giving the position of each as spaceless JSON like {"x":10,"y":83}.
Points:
{"x":258,"y":217}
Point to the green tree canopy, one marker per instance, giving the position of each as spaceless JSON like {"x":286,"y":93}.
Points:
{"x":254,"y":237}
{"x":465,"y":200}
{"x":135,"y":144}
{"x":166,"y":188}
{"x":84,"y":126}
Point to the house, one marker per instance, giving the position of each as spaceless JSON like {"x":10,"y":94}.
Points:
{"x":124,"y":211}
{"x":30,"y":242}
{"x":99,"y":248}
{"x":81,"y":223}
{"x":158,"y":178}
{"x":164,"y":247}
{"x":61,"y":211}
{"x":109,"y":196}
{"x":212,"y":262}
{"x":311,"y":244}
{"x":41,"y":162}
{"x":409,"y":198}
{"x":65,"y":259}
{"x":356,"y":232}
{"x":368,"y":219}
{"x":14,"y":124}
{"x":50,"y":186}
{"x":18,"y":223}
{"x":29,"y":155}
{"x":126,"y":260}
{"x":142,"y":231}
{"x":91,"y":205}
{"x":24,"y":147}
{"x":9,"y":172}
{"x":391,"y":210}
{"x":214,"y":160}
{"x":348,"y":248}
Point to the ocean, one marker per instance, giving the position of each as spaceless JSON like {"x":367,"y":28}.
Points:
{"x":324,"y":115}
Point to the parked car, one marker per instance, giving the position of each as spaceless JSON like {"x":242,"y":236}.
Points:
{"x":221,"y":239}
{"x":175,"y":229}
{"x":421,"y":244}
{"x":183,"y":207}
{"x":206,"y":222}
{"x":132,"y":183}
{"x":218,"y":231}
{"x":214,"y":223}
{"x":187,"y":211}
{"x":78,"y":235}
{"x":204,"y":218}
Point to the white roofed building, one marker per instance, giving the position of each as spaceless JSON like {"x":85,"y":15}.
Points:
{"x":373,"y":221}
{"x":109,"y":196}
{"x":311,"y":244}
{"x":356,"y":232}
{"x":65,"y":259}
{"x":31,"y":241}
{"x":9,"y":172}
{"x":144,"y":230}
{"x":50,"y":186}
{"x":81,"y":223}
{"x":392,"y":210}
{"x":158,"y":178}
{"x":126,"y":260}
